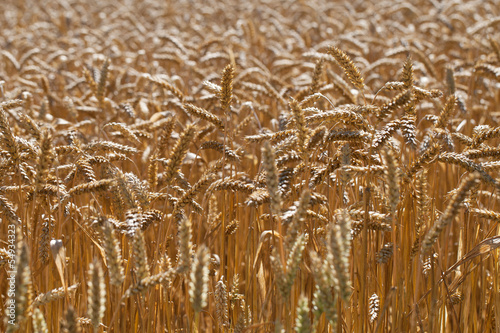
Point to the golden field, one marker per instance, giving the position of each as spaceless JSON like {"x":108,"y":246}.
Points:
{"x":225,"y":166}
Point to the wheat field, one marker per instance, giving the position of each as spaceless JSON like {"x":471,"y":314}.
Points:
{"x":226,"y":166}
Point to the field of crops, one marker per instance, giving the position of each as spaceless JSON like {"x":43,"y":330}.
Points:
{"x":249,"y":166}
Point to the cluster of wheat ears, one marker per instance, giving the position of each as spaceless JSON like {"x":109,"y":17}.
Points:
{"x":217,"y":166}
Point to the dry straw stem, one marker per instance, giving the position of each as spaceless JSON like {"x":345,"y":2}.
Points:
{"x":450,"y":212}
{"x":351,"y":71}
{"x":274,"y":93}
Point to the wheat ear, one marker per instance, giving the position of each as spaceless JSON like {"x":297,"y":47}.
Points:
{"x":113,"y":254}
{"x":221,"y":303}
{"x":179,"y":152}
{"x":392,"y":178}
{"x":21,"y":298}
{"x":269,"y":165}
{"x":184,"y":246}
{"x":450,"y":212}
{"x":70,"y":323}
{"x":198,"y":284}
{"x":96,"y":294}
{"x":352,"y":72}
{"x":39,"y":324}
{"x":226,"y":93}
{"x":302,"y":322}
{"x":203,"y":114}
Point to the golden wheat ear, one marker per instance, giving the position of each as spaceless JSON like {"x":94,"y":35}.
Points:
{"x":165,"y":85}
{"x":269,"y":164}
{"x":352,"y":72}
{"x":179,"y":152}
{"x":451,"y":211}
{"x":113,"y":253}
{"x":221,"y":303}
{"x":184,"y":246}
{"x":198,"y":284}
{"x":96,"y":294}
{"x":226,"y":93}
{"x":101,"y":85}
